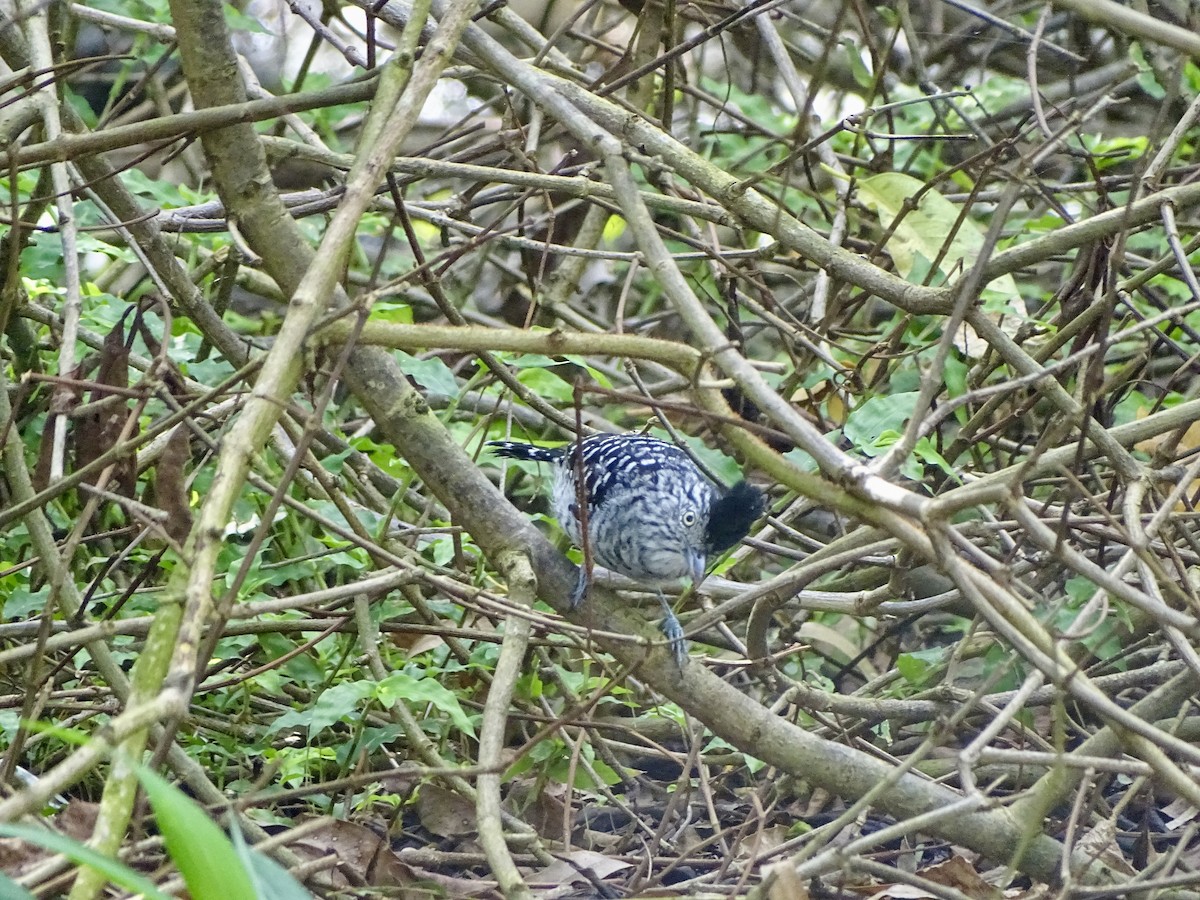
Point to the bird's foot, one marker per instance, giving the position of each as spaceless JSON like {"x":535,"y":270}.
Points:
{"x":580,"y":589}
{"x":673,"y":631}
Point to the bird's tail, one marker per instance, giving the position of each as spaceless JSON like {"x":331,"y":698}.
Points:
{"x":520,"y":450}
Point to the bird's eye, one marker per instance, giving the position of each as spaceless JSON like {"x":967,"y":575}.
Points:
{"x":689,"y":519}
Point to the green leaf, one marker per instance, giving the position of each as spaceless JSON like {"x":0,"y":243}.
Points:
{"x":872,"y":420}
{"x":82,"y":108}
{"x":857,"y":67}
{"x":1146,"y":78}
{"x":720,"y":744}
{"x":336,"y":703}
{"x":558,"y":767}
{"x":67,"y":735}
{"x":401,"y":686}
{"x":1118,"y":150}
{"x":301,"y":718}
{"x":605,"y":772}
{"x":161,"y":191}
{"x":334,"y":462}
{"x":239,"y":21}
{"x":533,"y":361}
{"x":22,"y":602}
{"x":600,"y":378}
{"x":400,"y":313}
{"x":203,"y":854}
{"x":530,"y":686}
{"x":431,"y":374}
{"x":271,"y":880}
{"x":614,"y":228}
{"x":303,"y":668}
{"x":923,"y":231}
{"x":954,"y":376}
{"x":547,"y":384}
{"x":118,"y":873}
{"x":1079,"y":589}
{"x":926,"y":451}
{"x":10,"y":890}
{"x":915,"y":667}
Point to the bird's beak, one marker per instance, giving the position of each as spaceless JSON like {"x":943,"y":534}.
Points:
{"x":697,"y":563}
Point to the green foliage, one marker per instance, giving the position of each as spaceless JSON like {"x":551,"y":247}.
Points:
{"x":719,"y":744}
{"x":401,"y":687}
{"x":922,"y":232}
{"x":79,"y":853}
{"x":1146,"y":77}
{"x":552,"y":759}
{"x":19,"y":601}
{"x":431,"y":373}
{"x":10,"y":890}
{"x":239,"y":21}
{"x":919,"y":666}
{"x":212,"y":866}
{"x":204,"y":856}
{"x":343,"y":703}
{"x":285,"y":697}
{"x":1102,"y":636}
{"x":143,"y":10}
{"x":874,"y":426}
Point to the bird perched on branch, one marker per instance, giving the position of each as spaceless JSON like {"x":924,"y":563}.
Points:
{"x":651,"y":514}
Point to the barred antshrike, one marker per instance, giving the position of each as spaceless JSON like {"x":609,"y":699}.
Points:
{"x":652,"y":515}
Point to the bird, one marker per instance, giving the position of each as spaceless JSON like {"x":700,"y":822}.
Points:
{"x":652,"y":515}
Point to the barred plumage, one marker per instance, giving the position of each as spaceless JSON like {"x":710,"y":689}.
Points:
{"x":652,"y":515}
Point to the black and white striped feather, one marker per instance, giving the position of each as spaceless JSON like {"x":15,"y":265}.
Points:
{"x":652,"y":515}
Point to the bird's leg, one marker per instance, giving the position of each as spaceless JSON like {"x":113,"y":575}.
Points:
{"x":580,"y":589}
{"x":673,"y":631}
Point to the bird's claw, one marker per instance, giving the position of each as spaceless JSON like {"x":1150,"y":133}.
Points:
{"x":579,"y":591}
{"x":673,"y":632}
